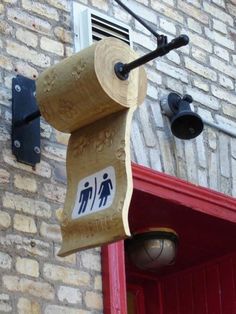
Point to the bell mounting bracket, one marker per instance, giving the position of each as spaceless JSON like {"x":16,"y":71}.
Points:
{"x":25,"y":121}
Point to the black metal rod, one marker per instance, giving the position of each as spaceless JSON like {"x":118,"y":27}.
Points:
{"x":122,"y":70}
{"x":137,"y":18}
{"x":28,"y":118}
{"x":160,"y":51}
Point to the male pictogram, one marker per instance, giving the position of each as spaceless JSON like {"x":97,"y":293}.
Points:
{"x":85,"y":195}
{"x":104,"y":190}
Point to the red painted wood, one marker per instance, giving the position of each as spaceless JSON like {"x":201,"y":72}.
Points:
{"x":182,"y":192}
{"x":208,"y":288}
{"x":205,"y":289}
{"x":234,"y":274}
{"x":199,"y":292}
{"x":228,"y":302}
{"x":152,"y":303}
{"x":170,"y":296}
{"x":160,"y":298}
{"x":113,"y":277}
{"x":205,"y":221}
{"x":137,"y":291}
{"x":202,"y":237}
{"x":151,"y":294}
{"x":213,"y":289}
{"x":185,"y":294}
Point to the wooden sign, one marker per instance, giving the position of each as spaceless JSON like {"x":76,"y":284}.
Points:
{"x":82,"y":95}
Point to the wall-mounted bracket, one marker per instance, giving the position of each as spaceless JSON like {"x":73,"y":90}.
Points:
{"x":25,"y":132}
{"x":122,"y":70}
{"x":163,"y":47}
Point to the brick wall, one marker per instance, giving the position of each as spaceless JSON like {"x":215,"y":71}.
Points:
{"x":35,"y":35}
{"x":206,"y":70}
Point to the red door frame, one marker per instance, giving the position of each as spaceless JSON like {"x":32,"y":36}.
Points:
{"x":199,"y":199}
{"x":137,"y":292}
{"x":113,"y":277}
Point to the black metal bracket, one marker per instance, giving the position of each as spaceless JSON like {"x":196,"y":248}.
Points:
{"x":139,"y":19}
{"x":163,"y":47}
{"x":25,"y":121}
{"x":122,"y":70}
{"x":25,"y":112}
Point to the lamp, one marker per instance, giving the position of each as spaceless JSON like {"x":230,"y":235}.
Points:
{"x":185,"y":124}
{"x":153,"y":249}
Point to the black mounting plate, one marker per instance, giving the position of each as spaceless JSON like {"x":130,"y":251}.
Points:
{"x":25,"y":138}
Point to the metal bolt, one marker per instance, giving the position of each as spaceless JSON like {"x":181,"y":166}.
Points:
{"x":17,"y":144}
{"x":32,"y":243}
{"x":18,"y":88}
{"x":37,"y":150}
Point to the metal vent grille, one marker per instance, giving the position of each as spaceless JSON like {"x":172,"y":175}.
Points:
{"x":102,"y":28}
{"x":91,"y":26}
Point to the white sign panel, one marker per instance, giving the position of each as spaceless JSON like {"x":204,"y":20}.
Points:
{"x":95,"y":193}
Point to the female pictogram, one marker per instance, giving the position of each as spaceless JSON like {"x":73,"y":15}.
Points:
{"x":85,"y":195}
{"x":104,"y":190}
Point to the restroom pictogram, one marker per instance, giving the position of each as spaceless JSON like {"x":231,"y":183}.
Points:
{"x":95,"y":192}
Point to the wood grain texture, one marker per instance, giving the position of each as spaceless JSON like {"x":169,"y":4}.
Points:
{"x":83,"y":96}
{"x":84,"y":87}
{"x":104,"y":143}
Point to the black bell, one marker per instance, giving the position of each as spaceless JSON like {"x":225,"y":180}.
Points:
{"x":185,"y":124}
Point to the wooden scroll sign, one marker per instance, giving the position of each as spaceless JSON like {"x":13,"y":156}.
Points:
{"x":83,"y":96}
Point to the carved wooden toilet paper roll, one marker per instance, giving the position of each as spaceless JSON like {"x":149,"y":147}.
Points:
{"x":82,"y":95}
